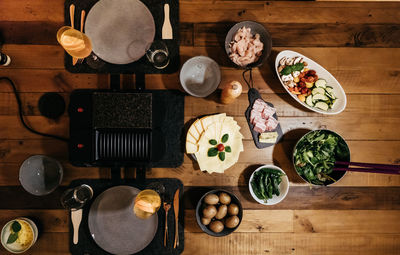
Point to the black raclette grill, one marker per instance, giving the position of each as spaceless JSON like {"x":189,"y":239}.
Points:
{"x":122,"y":129}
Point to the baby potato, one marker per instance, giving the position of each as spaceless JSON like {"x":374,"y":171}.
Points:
{"x":232,"y":221}
{"x":224,"y":198}
{"x":205,"y":221}
{"x":216,"y":226}
{"x":221,"y":213}
{"x":210,"y":211}
{"x":211,"y":199}
{"x":233,"y":209}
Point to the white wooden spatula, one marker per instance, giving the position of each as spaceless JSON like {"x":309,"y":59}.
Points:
{"x":76,"y":218}
{"x":166,"y":28}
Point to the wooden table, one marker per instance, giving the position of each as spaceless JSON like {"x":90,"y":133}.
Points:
{"x":358,"y":42}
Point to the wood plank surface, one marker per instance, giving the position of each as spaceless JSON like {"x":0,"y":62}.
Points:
{"x":299,"y":198}
{"x":258,"y":243}
{"x":213,"y":34}
{"x":357,"y":41}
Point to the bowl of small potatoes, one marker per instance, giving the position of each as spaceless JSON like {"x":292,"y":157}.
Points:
{"x":219,"y":212}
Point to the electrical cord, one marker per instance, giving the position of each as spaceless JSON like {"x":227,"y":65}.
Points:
{"x":21,"y":116}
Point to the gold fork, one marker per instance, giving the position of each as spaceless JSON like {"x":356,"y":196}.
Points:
{"x":166,"y":207}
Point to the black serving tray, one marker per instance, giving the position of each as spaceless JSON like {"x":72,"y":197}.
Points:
{"x":253,"y":95}
{"x":86,"y":245}
{"x":156,"y":8}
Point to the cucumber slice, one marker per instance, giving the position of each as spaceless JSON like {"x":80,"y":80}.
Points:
{"x":309,"y":100}
{"x":322,"y":105}
{"x":329,"y":89}
{"x":320,"y":97}
{"x":330,"y":95}
{"x":318,"y":91}
{"x":321,"y":83}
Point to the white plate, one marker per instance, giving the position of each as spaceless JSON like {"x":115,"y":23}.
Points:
{"x":283,"y":187}
{"x":322,"y":73}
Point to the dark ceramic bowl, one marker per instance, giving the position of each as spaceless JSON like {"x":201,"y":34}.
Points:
{"x":201,"y":204}
{"x":337,"y":175}
{"x":256,"y":28}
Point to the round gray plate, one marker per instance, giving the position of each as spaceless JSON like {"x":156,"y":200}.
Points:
{"x":121,"y":31}
{"x":113,"y":225}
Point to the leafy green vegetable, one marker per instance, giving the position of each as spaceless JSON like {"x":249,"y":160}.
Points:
{"x":212,"y":152}
{"x":287,"y":70}
{"x":228,"y":149}
{"x":316,"y":153}
{"x":213,"y":142}
{"x":12,"y":237}
{"x":221,"y":156}
{"x":297,"y":67}
{"x":265,"y":183}
{"x":225,"y":138}
{"x":293,"y":68}
{"x":16,"y":227}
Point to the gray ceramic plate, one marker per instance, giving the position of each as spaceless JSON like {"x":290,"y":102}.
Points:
{"x":113,"y":225}
{"x":40,"y":175}
{"x":120,"y":31}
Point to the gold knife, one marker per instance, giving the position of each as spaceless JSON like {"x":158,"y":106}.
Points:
{"x":176,"y":211}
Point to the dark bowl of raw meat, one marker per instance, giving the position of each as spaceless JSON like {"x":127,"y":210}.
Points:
{"x":256,"y":28}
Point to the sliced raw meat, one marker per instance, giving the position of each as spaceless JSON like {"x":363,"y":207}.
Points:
{"x":268,"y":111}
{"x":254,"y":113}
{"x":271,"y":124}
{"x":260,"y":127}
{"x":258,"y":119}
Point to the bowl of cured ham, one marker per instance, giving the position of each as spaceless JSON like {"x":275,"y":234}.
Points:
{"x":248,"y":44}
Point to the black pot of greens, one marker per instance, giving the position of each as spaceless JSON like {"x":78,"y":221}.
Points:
{"x":315,"y":154}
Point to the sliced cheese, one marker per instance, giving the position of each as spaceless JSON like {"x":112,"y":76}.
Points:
{"x":207,"y":121}
{"x":199,"y":127}
{"x":190,"y":147}
{"x":193,"y":131}
{"x":190,"y":139}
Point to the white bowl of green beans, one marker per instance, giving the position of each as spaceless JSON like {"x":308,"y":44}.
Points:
{"x":268,"y":185}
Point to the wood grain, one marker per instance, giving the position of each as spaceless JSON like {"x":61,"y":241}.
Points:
{"x":299,"y":198}
{"x":308,"y":34}
{"x":213,"y":34}
{"x":257,"y":243}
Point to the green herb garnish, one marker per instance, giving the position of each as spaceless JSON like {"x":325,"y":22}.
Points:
{"x":12,"y":237}
{"x":221,"y":156}
{"x":228,"y":149}
{"x":213,"y":142}
{"x":287,"y":70}
{"x":15,"y":228}
{"x":212,"y":152}
{"x":225,"y":138}
{"x":293,"y":68}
